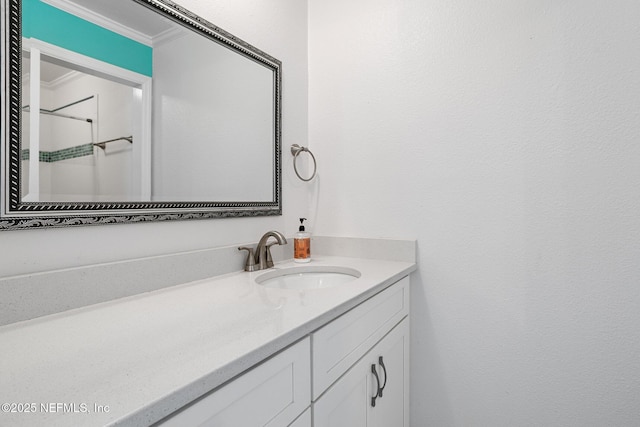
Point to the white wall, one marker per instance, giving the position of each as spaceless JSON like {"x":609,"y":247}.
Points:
{"x":206,"y":116}
{"x":281,"y":31}
{"x":504,"y":136}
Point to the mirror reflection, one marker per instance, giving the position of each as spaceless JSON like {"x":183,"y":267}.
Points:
{"x":85,"y":138}
{"x":123,"y":102}
{"x":213,"y":123}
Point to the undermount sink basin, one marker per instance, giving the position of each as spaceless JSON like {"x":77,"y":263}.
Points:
{"x":308,"y":277}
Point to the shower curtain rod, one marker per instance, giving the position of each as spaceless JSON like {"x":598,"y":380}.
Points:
{"x":51,"y":113}
{"x":54,"y":112}
{"x":102,"y":144}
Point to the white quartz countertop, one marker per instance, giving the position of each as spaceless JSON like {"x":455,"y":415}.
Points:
{"x":135,"y":360}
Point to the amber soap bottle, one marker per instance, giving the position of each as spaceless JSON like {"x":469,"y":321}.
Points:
{"x":302,"y":244}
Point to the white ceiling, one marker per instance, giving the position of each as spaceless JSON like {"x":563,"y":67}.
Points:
{"x":124,"y":17}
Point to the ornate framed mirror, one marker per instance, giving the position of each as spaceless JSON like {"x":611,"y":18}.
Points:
{"x":133,"y":110}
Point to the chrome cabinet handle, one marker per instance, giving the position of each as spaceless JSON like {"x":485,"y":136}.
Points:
{"x":381,"y":363}
{"x":375,"y":396}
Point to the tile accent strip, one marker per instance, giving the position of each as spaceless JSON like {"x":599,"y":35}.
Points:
{"x":64,"y":154}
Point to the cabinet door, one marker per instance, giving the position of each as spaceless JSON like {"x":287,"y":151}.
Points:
{"x":345,"y":403}
{"x":272,"y":394}
{"x":349,"y":401}
{"x":391,"y":360}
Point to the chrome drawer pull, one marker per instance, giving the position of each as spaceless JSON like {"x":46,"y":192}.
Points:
{"x":381,"y":362}
{"x":375,"y":396}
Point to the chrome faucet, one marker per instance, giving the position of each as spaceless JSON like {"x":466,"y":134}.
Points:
{"x":261,"y":259}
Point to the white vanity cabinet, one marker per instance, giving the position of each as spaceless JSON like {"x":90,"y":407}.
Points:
{"x":273,"y":394}
{"x":361,"y":364}
{"x":355,"y":401}
{"x":351,"y":372}
{"x":225,"y":350}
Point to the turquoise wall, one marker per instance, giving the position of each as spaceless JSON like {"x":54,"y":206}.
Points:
{"x":52,"y":25}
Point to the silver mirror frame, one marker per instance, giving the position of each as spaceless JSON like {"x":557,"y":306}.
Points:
{"x":15,"y":214}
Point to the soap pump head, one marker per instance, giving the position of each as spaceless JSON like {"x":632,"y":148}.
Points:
{"x":301,"y":228}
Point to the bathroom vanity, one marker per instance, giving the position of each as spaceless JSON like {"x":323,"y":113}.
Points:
{"x":226,"y":349}
{"x":184,"y":338}
{"x":358,"y":375}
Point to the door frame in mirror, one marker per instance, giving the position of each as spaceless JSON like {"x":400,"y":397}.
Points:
{"x":142,"y":135}
{"x":16,"y":214}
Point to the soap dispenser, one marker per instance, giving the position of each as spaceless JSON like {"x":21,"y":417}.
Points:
{"x":302,"y":244}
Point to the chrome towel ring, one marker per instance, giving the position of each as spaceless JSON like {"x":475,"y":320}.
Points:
{"x":295,"y":151}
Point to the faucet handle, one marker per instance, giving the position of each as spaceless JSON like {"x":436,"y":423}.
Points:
{"x":250,"y":263}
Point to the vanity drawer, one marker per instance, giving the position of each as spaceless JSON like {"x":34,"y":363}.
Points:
{"x":272,"y":394}
{"x":341,"y":343}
